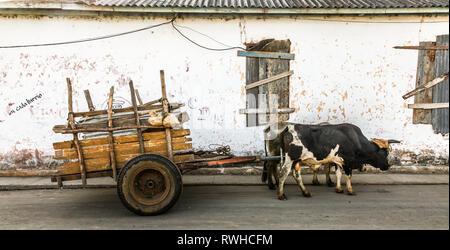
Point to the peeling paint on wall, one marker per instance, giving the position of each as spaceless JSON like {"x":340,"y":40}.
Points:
{"x":343,"y":72}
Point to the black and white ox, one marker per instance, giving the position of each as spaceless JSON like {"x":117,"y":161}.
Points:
{"x":342,"y":145}
{"x":272,"y":148}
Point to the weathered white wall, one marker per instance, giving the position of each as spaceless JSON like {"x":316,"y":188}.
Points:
{"x":344,"y":72}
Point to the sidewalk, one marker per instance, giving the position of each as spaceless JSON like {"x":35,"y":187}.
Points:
{"x":27,"y":183}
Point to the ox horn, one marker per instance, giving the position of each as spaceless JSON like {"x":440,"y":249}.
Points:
{"x":394,"y":141}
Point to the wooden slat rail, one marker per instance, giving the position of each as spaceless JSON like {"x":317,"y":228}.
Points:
{"x":159,"y":100}
{"x":86,"y":130}
{"x":101,"y":124}
{"x":145,"y":106}
{"x":265,"y":54}
{"x":152,"y":136}
{"x":425,"y":86}
{"x":166,"y":111}
{"x":270,"y":79}
{"x":75,"y":134}
{"x":99,"y":164}
{"x":107,"y":172}
{"x":96,"y":151}
{"x":112,"y":155}
{"x":428,"y":105}
{"x":136,"y":116}
{"x":435,"y":47}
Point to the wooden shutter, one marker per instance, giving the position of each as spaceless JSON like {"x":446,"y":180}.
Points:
{"x":440,"y":91}
{"x":425,"y":73}
{"x":269,"y":59}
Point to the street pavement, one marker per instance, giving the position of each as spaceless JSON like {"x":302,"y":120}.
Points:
{"x":375,"y":206}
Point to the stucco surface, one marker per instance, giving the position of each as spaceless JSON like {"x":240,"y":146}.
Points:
{"x":343,"y":72}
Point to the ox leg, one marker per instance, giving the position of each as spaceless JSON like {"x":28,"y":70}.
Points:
{"x":276,"y":173}
{"x":349,"y":185}
{"x":284,"y":173}
{"x":270,"y":174}
{"x":315,"y":180}
{"x":327,"y":169}
{"x":338,"y":179}
{"x":298,"y":178}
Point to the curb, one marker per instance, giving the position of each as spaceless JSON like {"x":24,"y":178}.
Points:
{"x":249,"y":169}
{"x":43,"y":183}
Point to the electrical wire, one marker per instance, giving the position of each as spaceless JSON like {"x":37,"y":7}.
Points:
{"x":201,"y":46}
{"x":126,"y":33}
{"x":187,"y":38}
{"x":198,"y":32}
{"x":87,"y":39}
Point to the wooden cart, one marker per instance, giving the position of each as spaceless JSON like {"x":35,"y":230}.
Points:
{"x":146,"y":164}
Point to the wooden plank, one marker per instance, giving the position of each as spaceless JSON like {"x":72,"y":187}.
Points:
{"x":112,"y":156}
{"x":166,"y":111}
{"x":72,"y":177}
{"x":425,"y":73}
{"x":116,"y":123}
{"x":268,"y":55}
{"x":154,"y":101}
{"x":263,"y":91}
{"x":100,"y":164}
{"x":75,"y":135}
{"x":126,"y":148}
{"x":270,"y":79}
{"x":440,"y":117}
{"x":425,"y":86}
{"x":426,"y":47}
{"x":123,"y":139}
{"x":428,"y":105}
{"x":138,"y":97}
{"x":87,"y":130}
{"x":145,"y":107}
{"x":136,"y":116}
{"x":278,"y":91}
{"x":273,"y":94}
{"x":251,"y":76}
{"x":89,"y":100}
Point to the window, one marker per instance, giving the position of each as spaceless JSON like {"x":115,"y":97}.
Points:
{"x":267,"y":81}
{"x":431,"y":95}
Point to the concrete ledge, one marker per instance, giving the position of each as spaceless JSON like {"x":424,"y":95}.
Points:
{"x":27,"y":173}
{"x":29,"y":183}
{"x":255,"y":169}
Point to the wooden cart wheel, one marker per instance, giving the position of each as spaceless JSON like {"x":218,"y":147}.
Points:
{"x":149,"y":184}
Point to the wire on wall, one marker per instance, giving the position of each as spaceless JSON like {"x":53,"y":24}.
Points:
{"x":174,"y":26}
{"x":87,"y":39}
{"x":201,"y":46}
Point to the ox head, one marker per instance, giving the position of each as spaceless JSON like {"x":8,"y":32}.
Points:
{"x":382,"y":157}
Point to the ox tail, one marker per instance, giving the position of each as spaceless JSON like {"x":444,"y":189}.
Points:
{"x":282,"y":144}
{"x":264,"y":173}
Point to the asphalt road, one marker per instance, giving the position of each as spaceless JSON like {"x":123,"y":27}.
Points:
{"x":234,"y":207}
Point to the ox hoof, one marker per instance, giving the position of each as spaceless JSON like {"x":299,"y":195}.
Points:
{"x":307,"y":194}
{"x":282,"y":197}
{"x":351,"y":192}
{"x":316,"y":183}
{"x":339,"y":190}
{"x":271,"y":186}
{"x":330,"y":184}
